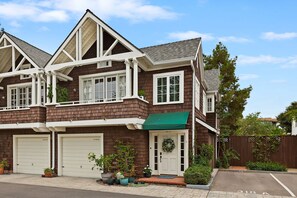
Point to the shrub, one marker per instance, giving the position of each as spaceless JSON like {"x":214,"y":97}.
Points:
{"x":197,"y":174}
{"x":205,"y":155}
{"x":266,"y":166}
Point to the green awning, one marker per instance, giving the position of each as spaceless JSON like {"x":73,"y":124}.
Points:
{"x":165,"y":121}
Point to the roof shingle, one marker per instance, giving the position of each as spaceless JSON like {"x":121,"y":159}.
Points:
{"x":212,"y":78}
{"x":170,"y":51}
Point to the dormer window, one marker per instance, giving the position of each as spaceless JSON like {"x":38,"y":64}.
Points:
{"x":25,"y":76}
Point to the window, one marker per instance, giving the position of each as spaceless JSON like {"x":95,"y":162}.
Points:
{"x":103,"y":64}
{"x":25,"y":76}
{"x":210,"y":103}
{"x":103,"y":88}
{"x":20,"y":96}
{"x":197,"y":94}
{"x":169,"y":88}
{"x":204,"y":103}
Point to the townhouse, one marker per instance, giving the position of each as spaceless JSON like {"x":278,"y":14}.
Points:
{"x":98,"y":88}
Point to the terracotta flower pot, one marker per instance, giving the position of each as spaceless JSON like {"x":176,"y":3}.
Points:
{"x":1,"y":170}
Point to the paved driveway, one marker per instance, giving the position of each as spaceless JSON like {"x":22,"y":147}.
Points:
{"x":30,"y":191}
{"x":256,"y":183}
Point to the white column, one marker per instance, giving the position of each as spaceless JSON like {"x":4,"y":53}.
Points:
{"x":54,"y":88}
{"x":48,"y":84}
{"x":135,"y":78}
{"x":38,"y":100}
{"x":33,"y":90}
{"x":128,"y":79}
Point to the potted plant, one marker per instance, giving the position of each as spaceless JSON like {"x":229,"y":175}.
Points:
{"x":104,"y":162}
{"x":123,"y":181}
{"x":141,"y":94}
{"x":3,"y":166}
{"x":147,"y":171}
{"x":132,"y":175}
{"x":48,"y":172}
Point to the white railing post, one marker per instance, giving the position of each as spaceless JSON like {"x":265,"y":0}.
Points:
{"x":38,"y":90}
{"x":33,"y":90}
{"x":128,"y":79}
{"x":48,"y":84}
{"x":54,"y":88}
{"x":135,"y":78}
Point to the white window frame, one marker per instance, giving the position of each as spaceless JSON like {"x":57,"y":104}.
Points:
{"x":212,"y":103}
{"x":21,"y":85}
{"x":25,"y":76}
{"x":105,"y":75}
{"x":204,"y":109}
{"x":17,"y":87}
{"x":197,"y":93}
{"x":168,"y":75}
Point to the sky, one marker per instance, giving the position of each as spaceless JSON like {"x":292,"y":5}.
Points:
{"x":262,"y":34}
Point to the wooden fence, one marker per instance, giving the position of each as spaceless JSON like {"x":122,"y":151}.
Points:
{"x":286,"y":153}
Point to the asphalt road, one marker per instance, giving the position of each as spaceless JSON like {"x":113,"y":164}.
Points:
{"x":255,"y":183}
{"x":29,"y":191}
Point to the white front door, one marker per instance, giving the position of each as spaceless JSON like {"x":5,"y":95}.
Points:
{"x":174,"y":162}
{"x":168,"y":160}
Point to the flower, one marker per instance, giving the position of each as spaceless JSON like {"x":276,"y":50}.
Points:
{"x":147,"y":169}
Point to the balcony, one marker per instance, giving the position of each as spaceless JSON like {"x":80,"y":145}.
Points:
{"x":22,"y":117}
{"x":124,"y":112}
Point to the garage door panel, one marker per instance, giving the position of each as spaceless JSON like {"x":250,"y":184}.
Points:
{"x":32,"y":154}
{"x":75,"y":152}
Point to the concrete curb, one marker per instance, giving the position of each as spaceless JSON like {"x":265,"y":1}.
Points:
{"x":205,"y":187}
{"x":258,"y":171}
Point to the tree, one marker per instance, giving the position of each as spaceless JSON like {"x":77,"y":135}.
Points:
{"x":285,"y":118}
{"x":252,"y":126}
{"x":233,"y":98}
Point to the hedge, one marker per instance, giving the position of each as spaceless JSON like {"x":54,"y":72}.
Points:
{"x":266,"y":166}
{"x":197,"y":174}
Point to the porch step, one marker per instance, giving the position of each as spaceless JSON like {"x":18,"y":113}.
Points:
{"x":178,"y":181}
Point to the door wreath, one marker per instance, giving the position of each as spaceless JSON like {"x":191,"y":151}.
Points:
{"x":168,"y":145}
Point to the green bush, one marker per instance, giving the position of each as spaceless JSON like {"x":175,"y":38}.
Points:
{"x":197,"y":174}
{"x":266,"y":166}
{"x":205,"y":155}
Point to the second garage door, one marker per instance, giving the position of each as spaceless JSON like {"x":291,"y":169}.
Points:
{"x":73,"y":154}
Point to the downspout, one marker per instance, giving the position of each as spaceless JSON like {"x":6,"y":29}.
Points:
{"x":53,"y":149}
{"x":193,"y":101}
{"x":193,"y":109}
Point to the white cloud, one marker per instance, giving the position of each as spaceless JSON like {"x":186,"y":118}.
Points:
{"x":62,"y":10}
{"x":278,"y":36}
{"x":278,"y":81}
{"x":206,"y":37}
{"x":189,"y":35}
{"x":15,"y":24}
{"x":285,"y":62}
{"x":233,"y":39}
{"x":248,"y":76}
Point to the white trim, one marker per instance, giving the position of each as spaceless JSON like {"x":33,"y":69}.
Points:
{"x":167,"y":75}
{"x":135,"y":52}
{"x":60,"y":136}
{"x":207,"y":126}
{"x":153,"y":133}
{"x":23,"y":125}
{"x":20,"y":51}
{"x":28,"y":136}
{"x":101,"y":122}
{"x":204,"y":103}
{"x":20,"y":72}
{"x":67,"y":54}
{"x":197,"y":93}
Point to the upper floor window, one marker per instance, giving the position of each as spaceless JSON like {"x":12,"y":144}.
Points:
{"x":210,"y":104}
{"x":204,"y":103}
{"x":168,"y":88}
{"x":103,"y":88}
{"x":197,"y":94}
{"x":25,"y":76}
{"x":103,"y":64}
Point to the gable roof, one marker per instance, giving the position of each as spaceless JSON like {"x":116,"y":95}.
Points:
{"x":212,"y":78}
{"x":174,"y":50}
{"x":38,"y":56}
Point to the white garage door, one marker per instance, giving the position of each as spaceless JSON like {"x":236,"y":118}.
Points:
{"x":31,"y":154}
{"x":74,"y":150}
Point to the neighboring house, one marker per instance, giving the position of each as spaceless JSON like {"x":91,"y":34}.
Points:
{"x":294,"y":127}
{"x":104,"y":75}
{"x":272,"y":121}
